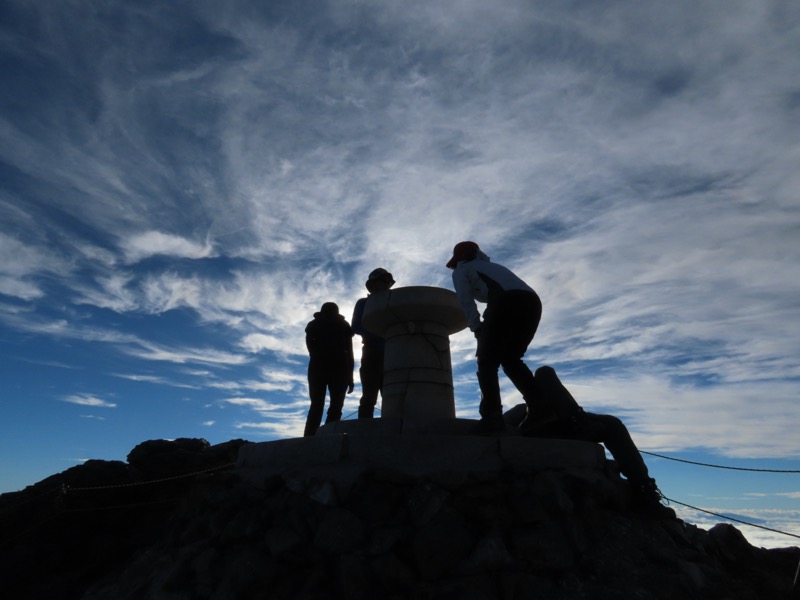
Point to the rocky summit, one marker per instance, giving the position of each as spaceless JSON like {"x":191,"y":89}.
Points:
{"x":183,"y":519}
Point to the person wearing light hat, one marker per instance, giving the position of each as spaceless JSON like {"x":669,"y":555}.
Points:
{"x":329,"y":340}
{"x":510,"y":319}
{"x":372,"y":349}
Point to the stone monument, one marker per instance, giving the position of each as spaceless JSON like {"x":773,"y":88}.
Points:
{"x":416,"y":323}
{"x":417,"y":433}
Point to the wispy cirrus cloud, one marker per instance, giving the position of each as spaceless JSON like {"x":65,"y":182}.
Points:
{"x":181,"y":355}
{"x":156,"y":243}
{"x":89,"y":400}
{"x":156,"y":380}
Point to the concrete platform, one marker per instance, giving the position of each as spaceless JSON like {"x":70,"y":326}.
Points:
{"x":343,"y":456}
{"x":398,"y":426}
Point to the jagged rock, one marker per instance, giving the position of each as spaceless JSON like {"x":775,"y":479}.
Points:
{"x":513,"y":532}
{"x":339,"y":531}
{"x":441,"y":544}
{"x":489,"y":554}
{"x":154,"y":459}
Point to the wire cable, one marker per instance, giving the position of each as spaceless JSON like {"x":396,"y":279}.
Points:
{"x":728,"y":518}
{"x":149,"y":482}
{"x":29,"y":500}
{"x":691,"y":462}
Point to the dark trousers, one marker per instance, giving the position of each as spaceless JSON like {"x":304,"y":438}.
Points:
{"x":602,"y":429}
{"x":509,"y":324}
{"x":321,"y":380}
{"x":612,"y":433}
{"x":371,"y":373}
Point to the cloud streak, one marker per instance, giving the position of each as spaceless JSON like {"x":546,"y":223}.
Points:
{"x":88,"y":400}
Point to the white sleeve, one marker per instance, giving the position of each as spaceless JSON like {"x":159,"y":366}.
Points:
{"x":464,"y":293}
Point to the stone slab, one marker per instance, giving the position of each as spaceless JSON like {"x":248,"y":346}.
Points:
{"x":390,"y":425}
{"x":533,"y":454}
{"x":343,"y":456}
{"x":294,"y":452}
{"x":413,"y":303}
{"x":426,"y":454}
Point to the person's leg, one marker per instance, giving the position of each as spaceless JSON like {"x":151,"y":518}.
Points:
{"x":371,"y":373}
{"x":490,"y":344}
{"x":491,"y":406}
{"x":338,"y":391}
{"x":612,"y":433}
{"x":316,"y":392}
{"x":517,"y":319}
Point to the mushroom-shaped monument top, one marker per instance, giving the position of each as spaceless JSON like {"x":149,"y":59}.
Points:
{"x":413,"y":304}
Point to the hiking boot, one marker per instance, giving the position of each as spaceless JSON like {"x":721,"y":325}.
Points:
{"x":490,"y":425}
{"x":647,"y":500}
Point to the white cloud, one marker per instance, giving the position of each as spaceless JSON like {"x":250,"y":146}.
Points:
{"x":114,"y":293}
{"x":255,"y":385}
{"x":279,"y":429}
{"x":150,"y":351}
{"x":153,"y":243}
{"x":19,"y":289}
{"x":27,"y":259}
{"x":23,"y":265}
{"x":254,"y":403}
{"x":155,"y":379}
{"x":256,"y":342}
{"x":88,"y":400}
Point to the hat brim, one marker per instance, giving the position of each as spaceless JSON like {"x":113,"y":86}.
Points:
{"x":369,"y":283}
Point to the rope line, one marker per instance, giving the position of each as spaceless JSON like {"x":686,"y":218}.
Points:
{"x":355,"y":412}
{"x":118,"y":506}
{"x":691,"y":462}
{"x":29,"y":500}
{"x":728,"y":518}
{"x":27,"y":530}
{"x":138,"y":483}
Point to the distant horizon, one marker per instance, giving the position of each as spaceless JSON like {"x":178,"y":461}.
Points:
{"x":184,"y":185}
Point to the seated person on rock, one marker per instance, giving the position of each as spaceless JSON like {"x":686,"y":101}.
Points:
{"x":556,"y":414}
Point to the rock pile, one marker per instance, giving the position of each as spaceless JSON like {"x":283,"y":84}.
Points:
{"x":555,"y":534}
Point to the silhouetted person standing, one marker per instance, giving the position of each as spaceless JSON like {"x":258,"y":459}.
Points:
{"x":372,"y":349}
{"x":510,"y":320}
{"x":329,"y":340}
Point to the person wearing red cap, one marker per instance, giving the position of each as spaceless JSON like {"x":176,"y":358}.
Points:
{"x":512,"y":314}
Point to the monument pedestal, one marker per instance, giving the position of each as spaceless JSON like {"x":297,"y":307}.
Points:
{"x":416,"y":323}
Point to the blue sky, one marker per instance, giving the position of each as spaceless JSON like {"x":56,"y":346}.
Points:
{"x":185,"y":183}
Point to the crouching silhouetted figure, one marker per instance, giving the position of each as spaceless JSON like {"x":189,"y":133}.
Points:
{"x":557,"y":415}
{"x":329,"y":340}
{"x":512,"y":314}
